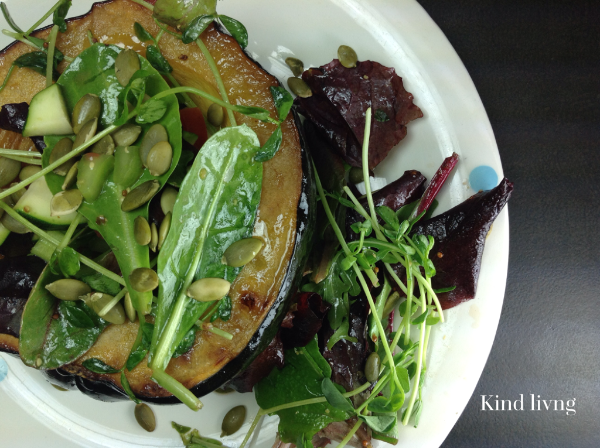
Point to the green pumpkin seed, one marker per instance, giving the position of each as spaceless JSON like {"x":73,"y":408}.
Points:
{"x":143,"y":279}
{"x":98,"y":301}
{"x":126,"y":135}
{"x":126,"y":64}
{"x":128,"y":167}
{"x":392,"y":303}
{"x":140,"y":195}
{"x":299,"y":87}
{"x":9,"y":170}
{"x":141,"y":231}
{"x":156,"y":134}
{"x":153,"y":237}
{"x":27,"y":171}
{"x":86,"y":133}
{"x":215,"y":115}
{"x":87,"y":108}
{"x":61,"y":389}
{"x":70,"y":178}
{"x":347,"y":56}
{"x":242,"y":252}
{"x":355,"y":175}
{"x":145,"y":417}
{"x":296,"y":65}
{"x":68,"y":289}
{"x":17,"y":194}
{"x":372,"y":367}
{"x":159,"y":159}
{"x":227,"y":390}
{"x":163,"y":231}
{"x":129,"y":309}
{"x":208,"y":289}
{"x":62,"y":148}
{"x":167,"y":199}
{"x":13,"y":225}
{"x":233,"y":421}
{"x":106,"y":145}
{"x":65,"y":202}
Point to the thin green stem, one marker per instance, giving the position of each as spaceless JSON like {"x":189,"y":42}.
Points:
{"x":7,"y":77}
{"x":257,"y":418}
{"x":144,"y":4}
{"x":167,"y":30}
{"x":28,"y":160}
{"x":350,"y":434}
{"x":158,"y":36}
{"x":44,"y":17}
{"x":215,"y":71}
{"x":19,"y":152}
{"x":222,"y":333}
{"x":50,"y":60}
{"x":20,"y":38}
{"x":169,"y":383}
{"x":69,"y":233}
{"x":427,"y":285}
{"x":116,"y":299}
{"x":365,"y":164}
{"x":186,"y":98}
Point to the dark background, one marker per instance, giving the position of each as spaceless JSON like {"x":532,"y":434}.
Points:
{"x":536,"y":66}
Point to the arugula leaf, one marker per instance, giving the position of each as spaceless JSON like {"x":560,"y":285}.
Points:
{"x":236,"y":28}
{"x":98,"y":366}
{"x":197,"y":27}
{"x":268,"y":151}
{"x":299,"y":380}
{"x":157,"y":60}
{"x":141,"y":33}
{"x":60,"y":14}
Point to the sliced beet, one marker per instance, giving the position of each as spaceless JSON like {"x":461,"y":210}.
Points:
{"x":306,"y":322}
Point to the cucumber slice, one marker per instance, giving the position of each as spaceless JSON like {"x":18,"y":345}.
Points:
{"x":35,"y":206}
{"x":4,"y":232}
{"x":44,"y":249}
{"x":48,"y":114}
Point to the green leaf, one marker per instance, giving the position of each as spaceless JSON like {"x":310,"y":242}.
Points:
{"x":443,"y":290}
{"x":391,"y":400}
{"x":216,"y":206}
{"x":223,"y":310}
{"x":180,"y":171}
{"x":298,"y":380}
{"x":236,"y":28}
{"x":420,"y":318}
{"x":404,"y":378}
{"x":157,"y":60}
{"x":342,"y":200}
{"x":180,"y":14}
{"x":380,"y":423}
{"x":364,"y":226}
{"x":75,"y":316}
{"x":389,"y":216}
{"x":141,"y":33}
{"x":341,"y":333}
{"x":93,"y":72}
{"x":151,"y":112}
{"x":8,"y":18}
{"x":68,"y":261}
{"x":404,"y":212}
{"x":36,"y":61}
{"x":348,"y":262}
{"x":335,"y":397}
{"x":197,"y":27}
{"x":381,"y":116}
{"x":432,"y":320}
{"x":98,"y":366}
{"x":268,"y":151}
{"x":60,"y":14}
{"x":186,"y":343}
{"x":127,"y":388}
{"x":283,"y":101}
{"x":140,"y":352}
{"x":254,"y":112}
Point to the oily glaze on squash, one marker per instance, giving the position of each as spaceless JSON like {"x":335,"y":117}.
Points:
{"x":261,"y":289}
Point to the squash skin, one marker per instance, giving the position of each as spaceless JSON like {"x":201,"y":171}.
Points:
{"x":106,"y":387}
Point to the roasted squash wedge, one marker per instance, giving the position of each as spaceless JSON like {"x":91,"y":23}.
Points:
{"x":260,"y":292}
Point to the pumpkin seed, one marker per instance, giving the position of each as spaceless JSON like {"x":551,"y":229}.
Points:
{"x":296,"y":65}
{"x":355,"y":175}
{"x":13,"y":225}
{"x":227,"y":390}
{"x":87,"y":108}
{"x":145,"y":417}
{"x":68,"y":289}
{"x":62,"y":389}
{"x":27,"y":171}
{"x":215,"y":115}
{"x":159,"y":159}
{"x":106,"y":145}
{"x":167,"y":199}
{"x":140,"y":195}
{"x":153,"y":237}
{"x":391,"y":303}
{"x":126,"y":135}
{"x":299,"y":87}
{"x":98,"y":301}
{"x":347,"y":56}
{"x":129,"y":309}
{"x":141,"y":231}
{"x":372,"y":367}
{"x":163,"y":231}
{"x":9,"y":170}
{"x":70,"y":178}
{"x":17,"y":194}
{"x":62,"y":148}
{"x":242,"y":252}
{"x":208,"y":289}
{"x":65,"y":202}
{"x":233,"y":421}
{"x":126,"y":64}
{"x":86,"y":133}
{"x":156,"y":134}
{"x":143,"y":279}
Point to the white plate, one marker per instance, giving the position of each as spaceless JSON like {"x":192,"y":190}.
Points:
{"x":395,"y":33}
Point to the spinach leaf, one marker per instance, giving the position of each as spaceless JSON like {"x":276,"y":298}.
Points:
{"x":98,"y":366}
{"x":216,"y":206}
{"x":299,"y":380}
{"x":93,"y":72}
{"x":48,"y":340}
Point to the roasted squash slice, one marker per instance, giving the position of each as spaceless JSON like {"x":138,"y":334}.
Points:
{"x":260,"y":292}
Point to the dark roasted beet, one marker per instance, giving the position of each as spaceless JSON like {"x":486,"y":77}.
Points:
{"x":17,"y":276}
{"x":347,"y":359}
{"x":307,"y":321}
{"x":330,"y":165}
{"x":459,"y":241}
{"x":402,"y":191}
{"x":340,"y":99}
{"x":261,"y":367}
{"x":13,"y":117}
